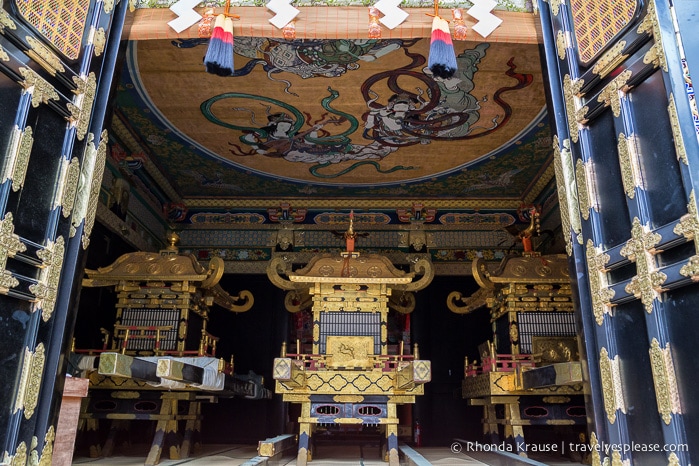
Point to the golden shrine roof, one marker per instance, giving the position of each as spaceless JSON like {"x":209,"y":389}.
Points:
{"x":369,"y":268}
{"x":531,"y":269}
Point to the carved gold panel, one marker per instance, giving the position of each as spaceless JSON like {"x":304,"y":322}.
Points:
{"x":689,"y":223}
{"x":10,"y":245}
{"x":610,"y":94}
{"x":44,"y":56}
{"x":657,"y":53}
{"x":331,"y":382}
{"x":99,"y":39}
{"x":664,"y":380}
{"x":570,"y":91}
{"x":567,"y":192}
{"x":648,"y":281}
{"x":81,"y":109}
{"x":676,"y":133}
{"x":15,"y":165}
{"x":70,"y":178}
{"x":688,"y":227}
{"x":349,"y":351}
{"x":551,"y":350}
{"x":30,"y":380}
{"x":600,"y":291}
{"x":46,"y":456}
{"x":612,"y":392}
{"x":561,"y":44}
{"x":88,"y":190}
{"x":629,"y":169}
{"x":555,"y":6}
{"x":595,"y":458}
{"x":46,"y":291}
{"x":584,"y":198}
{"x":6,"y":21}
{"x":42,"y":91}
{"x":610,"y":60}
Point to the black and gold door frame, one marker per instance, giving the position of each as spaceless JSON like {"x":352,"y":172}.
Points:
{"x":626,"y":160}
{"x":56,"y":69}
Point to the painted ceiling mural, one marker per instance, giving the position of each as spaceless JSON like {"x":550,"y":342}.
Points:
{"x":339,"y":118}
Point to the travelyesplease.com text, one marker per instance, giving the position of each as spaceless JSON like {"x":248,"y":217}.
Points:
{"x":563,"y":447}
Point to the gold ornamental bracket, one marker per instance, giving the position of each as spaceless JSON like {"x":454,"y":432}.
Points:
{"x":297,"y":300}
{"x":402,"y":302}
{"x":460,"y":304}
{"x":279,"y":267}
{"x":424,"y":270}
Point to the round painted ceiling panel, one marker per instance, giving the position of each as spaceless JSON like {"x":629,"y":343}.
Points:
{"x":344,"y":112}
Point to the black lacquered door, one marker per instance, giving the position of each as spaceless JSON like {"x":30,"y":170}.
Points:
{"x":627,"y":161}
{"x":56,"y":67}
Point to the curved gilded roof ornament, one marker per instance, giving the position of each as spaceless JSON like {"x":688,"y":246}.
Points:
{"x":460,"y":304}
{"x":350,"y":267}
{"x":528,"y":269}
{"x":168,"y":266}
{"x":276,"y":268}
{"x":297,"y":300}
{"x":334,"y":268}
{"x":402,"y":302}
{"x":421,"y":267}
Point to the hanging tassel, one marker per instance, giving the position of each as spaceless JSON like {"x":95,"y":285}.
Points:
{"x":442,"y":61}
{"x":219,"y":55}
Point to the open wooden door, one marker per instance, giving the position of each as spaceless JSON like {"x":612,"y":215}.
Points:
{"x":57,"y":60}
{"x":627,"y":161}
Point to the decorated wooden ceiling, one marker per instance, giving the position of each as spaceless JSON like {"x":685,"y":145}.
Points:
{"x":326,"y":126}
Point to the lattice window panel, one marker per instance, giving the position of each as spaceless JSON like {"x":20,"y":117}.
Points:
{"x":61,"y":22}
{"x":152,"y":317}
{"x":545,"y":324}
{"x":340,"y":323}
{"x":597,"y":22}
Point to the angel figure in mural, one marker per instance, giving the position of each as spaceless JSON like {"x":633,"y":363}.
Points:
{"x":284,"y":136}
{"x":431,"y":108}
{"x":309,"y":58}
{"x":280,"y":137}
{"x":455,"y":96}
{"x":387,"y":124}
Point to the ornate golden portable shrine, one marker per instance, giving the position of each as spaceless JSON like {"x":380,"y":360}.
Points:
{"x":160,"y":354}
{"x":349,"y":380}
{"x":164,"y":301}
{"x":530,"y":372}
